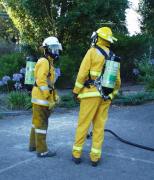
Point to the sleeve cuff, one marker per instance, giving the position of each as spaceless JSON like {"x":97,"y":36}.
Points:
{"x":78,"y":85}
{"x":113,"y":94}
{"x":76,"y":90}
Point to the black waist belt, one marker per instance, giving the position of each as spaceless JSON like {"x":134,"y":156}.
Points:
{"x":88,"y":83}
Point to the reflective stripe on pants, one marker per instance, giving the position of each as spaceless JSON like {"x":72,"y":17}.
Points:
{"x":76,"y":148}
{"x":40,"y":131}
{"x":96,"y":151}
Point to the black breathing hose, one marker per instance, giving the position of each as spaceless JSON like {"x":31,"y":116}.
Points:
{"x":124,"y":141}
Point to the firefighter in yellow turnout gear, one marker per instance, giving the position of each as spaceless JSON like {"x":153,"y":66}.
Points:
{"x":93,"y":108}
{"x":44,"y":97}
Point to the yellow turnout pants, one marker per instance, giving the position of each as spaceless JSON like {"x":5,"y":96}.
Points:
{"x":95,"y":110}
{"x":39,"y":128}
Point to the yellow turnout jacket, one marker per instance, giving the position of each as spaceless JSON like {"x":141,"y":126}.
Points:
{"x":41,"y":93}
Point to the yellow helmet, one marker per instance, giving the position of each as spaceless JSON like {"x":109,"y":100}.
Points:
{"x":106,"y":33}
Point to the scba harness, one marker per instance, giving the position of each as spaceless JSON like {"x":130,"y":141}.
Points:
{"x":29,"y":77}
{"x":105,"y":83}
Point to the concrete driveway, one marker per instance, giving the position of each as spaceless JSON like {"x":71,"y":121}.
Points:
{"x":119,"y":161}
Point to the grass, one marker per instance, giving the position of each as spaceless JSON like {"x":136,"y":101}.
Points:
{"x":134,"y":99}
{"x":19,"y":100}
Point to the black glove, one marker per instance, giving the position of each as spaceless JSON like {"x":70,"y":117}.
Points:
{"x":75,"y":97}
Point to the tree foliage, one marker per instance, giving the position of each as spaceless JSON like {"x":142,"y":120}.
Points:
{"x":8,"y":31}
{"x":147,"y":11}
{"x":71,"y":20}
{"x":131,"y":50}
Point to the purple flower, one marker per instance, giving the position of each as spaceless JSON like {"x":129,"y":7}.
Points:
{"x":5,"y":79}
{"x":1,"y":83}
{"x":57,"y":73}
{"x":17,"y":77}
{"x":18,"y":86}
{"x":152,"y":62}
{"x":23,"y":70}
{"x":136,"y":71}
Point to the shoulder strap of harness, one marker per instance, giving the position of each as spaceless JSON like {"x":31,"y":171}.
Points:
{"x":103,"y":52}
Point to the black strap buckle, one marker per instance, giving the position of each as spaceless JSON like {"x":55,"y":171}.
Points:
{"x":89,"y":83}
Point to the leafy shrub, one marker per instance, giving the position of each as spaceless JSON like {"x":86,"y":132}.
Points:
{"x":10,"y":76}
{"x":6,"y":48}
{"x":130,"y":49}
{"x":30,"y":50}
{"x":19,"y":100}
{"x":67,"y":101}
{"x":11,"y":63}
{"x":68,"y":72}
{"x":134,"y":99}
{"x":146,"y":68}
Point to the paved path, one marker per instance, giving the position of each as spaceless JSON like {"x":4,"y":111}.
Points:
{"x":119,"y":161}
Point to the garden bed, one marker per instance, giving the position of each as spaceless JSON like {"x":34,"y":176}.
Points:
{"x":21,"y":100}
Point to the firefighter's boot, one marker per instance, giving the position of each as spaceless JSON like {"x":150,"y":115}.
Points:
{"x":76,"y":160}
{"x":46,"y":154}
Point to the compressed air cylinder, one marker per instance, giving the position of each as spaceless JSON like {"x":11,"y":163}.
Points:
{"x":112,"y":67}
{"x":29,"y":75}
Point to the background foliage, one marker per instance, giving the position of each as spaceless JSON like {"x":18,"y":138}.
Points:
{"x":73,"y":22}
{"x":147,"y":12}
{"x":11,"y":63}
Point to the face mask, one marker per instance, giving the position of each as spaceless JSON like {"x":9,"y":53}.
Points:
{"x":53,"y":52}
{"x":55,"y":57}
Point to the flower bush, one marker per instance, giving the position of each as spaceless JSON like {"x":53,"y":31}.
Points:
{"x":16,"y":82}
